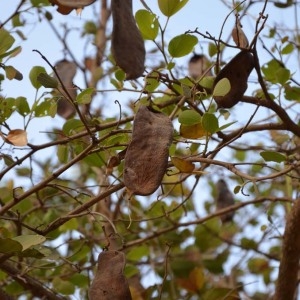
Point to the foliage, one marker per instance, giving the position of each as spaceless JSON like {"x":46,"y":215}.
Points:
{"x":63,"y":199}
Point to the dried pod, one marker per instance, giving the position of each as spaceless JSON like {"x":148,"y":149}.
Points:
{"x":239,"y":36}
{"x":237,"y":72}
{"x":66,"y":6}
{"x":66,"y":71}
{"x":128,"y":46}
{"x":109,"y":282}
{"x":198,"y":66}
{"x":146,"y":158}
{"x":223,"y":200}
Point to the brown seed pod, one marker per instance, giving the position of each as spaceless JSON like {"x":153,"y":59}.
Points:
{"x":128,"y":46}
{"x":237,"y":72}
{"x":66,"y":6}
{"x":66,"y":71}
{"x":146,"y":158}
{"x":223,"y":200}
{"x":109,"y":282}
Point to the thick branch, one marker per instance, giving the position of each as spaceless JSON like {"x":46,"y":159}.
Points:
{"x":289,"y":265}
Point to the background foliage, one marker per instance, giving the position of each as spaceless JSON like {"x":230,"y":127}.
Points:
{"x":62,"y":201}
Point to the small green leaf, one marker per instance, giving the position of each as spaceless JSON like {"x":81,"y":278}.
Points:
{"x":6,"y":39}
{"x":222,"y":87}
{"x":137,"y":253}
{"x":273,"y":156}
{"x":47,"y":81}
{"x":171,"y":7}
{"x":152,"y":81}
{"x":29,"y":240}
{"x":62,"y":286}
{"x":212,"y":49}
{"x":283,"y":75}
{"x":33,"y":75}
{"x":62,"y":153}
{"x":147,"y":23}
{"x":287,"y":49}
{"x":85,"y":97}
{"x":182,"y":45}
{"x":22,"y":106}
{"x":210,"y":122}
{"x":189,"y":117}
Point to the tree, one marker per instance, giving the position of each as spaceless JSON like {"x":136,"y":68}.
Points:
{"x":63,"y":200}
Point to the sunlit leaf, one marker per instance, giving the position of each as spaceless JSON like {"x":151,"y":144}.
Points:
{"x":183,"y":165}
{"x":147,"y":23}
{"x":210,"y":122}
{"x":171,"y":7}
{"x":222,"y":87}
{"x":189,"y":117}
{"x":33,"y":75}
{"x":6,"y":39}
{"x":182,"y":45}
{"x":194,"y":131}
{"x":29,"y":240}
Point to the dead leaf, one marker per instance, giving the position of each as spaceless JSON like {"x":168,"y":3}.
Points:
{"x":146,"y":159}
{"x":17,"y":137}
{"x":128,"y":47}
{"x":109,"y":282}
{"x":239,"y":36}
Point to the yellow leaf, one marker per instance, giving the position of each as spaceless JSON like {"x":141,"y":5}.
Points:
{"x":17,"y":137}
{"x":183,"y":165}
{"x":192,"y":131}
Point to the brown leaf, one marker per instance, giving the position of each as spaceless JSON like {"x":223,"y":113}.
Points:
{"x":17,"y":137}
{"x":109,"y":282}
{"x":128,"y":46}
{"x":237,"y":72}
{"x":239,"y":36}
{"x":66,"y":6}
{"x":146,"y":159}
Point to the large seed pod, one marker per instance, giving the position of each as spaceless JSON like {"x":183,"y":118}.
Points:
{"x":66,"y":6}
{"x":128,"y":46}
{"x":66,"y":71}
{"x":237,"y":72}
{"x":109,"y":282}
{"x":224,"y":199}
{"x":146,"y":158}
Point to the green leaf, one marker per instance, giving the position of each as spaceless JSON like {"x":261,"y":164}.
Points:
{"x":212,"y":49}
{"x":273,"y":156}
{"x":283,"y":75}
{"x":258,"y":265}
{"x":47,"y":81}
{"x":33,"y":75}
{"x":210,"y":122}
{"x":43,"y":109}
{"x":72,"y":224}
{"x":189,"y":117}
{"x":147,"y":23}
{"x":85,"y":97}
{"x":182,"y":45}
{"x":138,"y":253}
{"x":22,"y":106}
{"x":171,"y":7}
{"x":72,"y":126}
{"x":152,"y":81}
{"x":222,"y":87}
{"x":10,"y":246}
{"x":6,"y":39}
{"x":62,"y":286}
{"x":29,"y":240}
{"x":62,"y":153}
{"x":289,"y":48}
{"x":12,"y":73}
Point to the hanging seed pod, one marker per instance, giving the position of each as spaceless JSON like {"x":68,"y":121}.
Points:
{"x":223,"y":200}
{"x":128,"y":46}
{"x":146,"y":158}
{"x":66,"y":6}
{"x":198,"y":66}
{"x":66,"y":71}
{"x":237,"y":72}
{"x":109,"y":282}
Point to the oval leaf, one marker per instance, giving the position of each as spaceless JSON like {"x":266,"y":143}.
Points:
{"x":222,"y":87}
{"x":189,"y":117}
{"x":210,"y":122}
{"x":183,"y":165}
{"x":147,"y":23}
{"x":273,"y":156}
{"x":85,"y":96}
{"x":34,"y":72}
{"x":17,"y":137}
{"x":171,"y":7}
{"x":29,"y":240}
{"x":182,"y":45}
